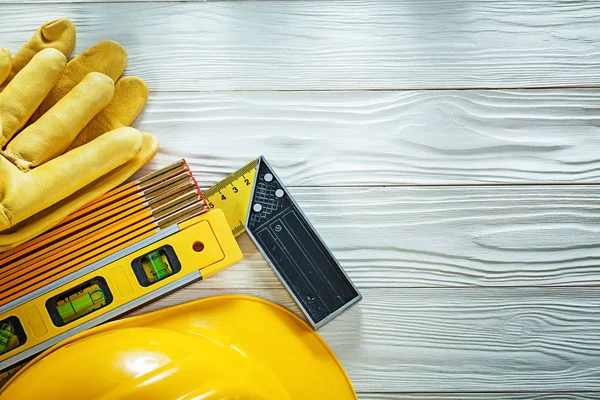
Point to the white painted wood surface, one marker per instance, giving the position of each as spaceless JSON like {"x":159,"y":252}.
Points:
{"x":346,"y":44}
{"x":483,"y":396}
{"x":384,"y":138}
{"x":468,"y":218}
{"x":448,"y":237}
{"x":446,"y":340}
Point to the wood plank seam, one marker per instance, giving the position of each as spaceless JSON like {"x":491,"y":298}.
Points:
{"x":347,"y":44}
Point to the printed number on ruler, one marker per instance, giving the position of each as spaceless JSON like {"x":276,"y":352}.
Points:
{"x":232,"y":195}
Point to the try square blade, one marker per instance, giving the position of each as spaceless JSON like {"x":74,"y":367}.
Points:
{"x":295,"y":251}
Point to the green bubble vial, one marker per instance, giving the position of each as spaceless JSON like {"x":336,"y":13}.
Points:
{"x":155,"y":266}
{"x":81,"y":303}
{"x":8,"y":338}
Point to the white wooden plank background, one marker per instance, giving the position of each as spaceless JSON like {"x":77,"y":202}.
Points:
{"x":446,"y":340}
{"x":468,"y":218}
{"x":448,"y":237}
{"x":483,"y":396}
{"x":346,"y":44}
{"x":392,"y":138}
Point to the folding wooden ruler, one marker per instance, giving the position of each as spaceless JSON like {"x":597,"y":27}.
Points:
{"x":254,"y":199}
{"x":134,"y":245}
{"x":158,"y":244}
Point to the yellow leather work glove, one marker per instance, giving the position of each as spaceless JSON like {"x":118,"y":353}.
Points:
{"x":64,"y":137}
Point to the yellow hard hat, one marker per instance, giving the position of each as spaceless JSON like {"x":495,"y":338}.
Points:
{"x":223,"y":347}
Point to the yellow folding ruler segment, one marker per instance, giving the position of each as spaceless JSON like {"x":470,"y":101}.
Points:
{"x":173,"y":257}
{"x":232,"y":195}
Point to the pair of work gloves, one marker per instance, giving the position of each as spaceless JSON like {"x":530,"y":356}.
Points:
{"x":65,"y":136}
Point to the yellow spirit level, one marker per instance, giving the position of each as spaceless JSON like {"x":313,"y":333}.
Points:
{"x":173,"y":257}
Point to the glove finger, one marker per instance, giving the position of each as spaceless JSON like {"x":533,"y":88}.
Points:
{"x":52,"y":134}
{"x":58,"y":34}
{"x":9,"y":173}
{"x":131,"y":93}
{"x":27,"y":90}
{"x":44,"y":220}
{"x":5,"y":64}
{"x":61,"y":177}
{"x":107,"y":57}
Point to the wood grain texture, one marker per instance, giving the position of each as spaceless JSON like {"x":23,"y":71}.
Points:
{"x":481,"y":396}
{"x":383,"y":138}
{"x":459,"y":340}
{"x":348,"y":44}
{"x":450,"y":236}
{"x":459,"y":282}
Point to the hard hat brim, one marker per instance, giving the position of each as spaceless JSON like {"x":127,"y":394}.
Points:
{"x":300,"y":359}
